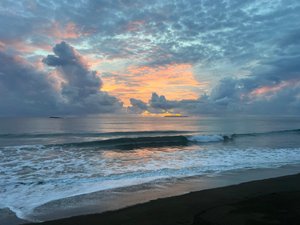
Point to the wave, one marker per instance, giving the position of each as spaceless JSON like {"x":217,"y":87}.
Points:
{"x":177,"y":140}
{"x":128,"y":133}
{"x":134,"y":142}
{"x":155,"y":139}
{"x":266,"y":133}
{"x":142,"y":142}
{"x":91,"y":134}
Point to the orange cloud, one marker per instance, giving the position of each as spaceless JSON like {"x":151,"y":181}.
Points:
{"x":175,"y":81}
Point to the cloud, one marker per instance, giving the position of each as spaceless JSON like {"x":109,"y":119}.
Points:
{"x":80,"y":88}
{"x":157,"y":104}
{"x":245,"y":52}
{"x":137,"y":106}
{"x":160,"y":102}
{"x":175,"y":81}
{"x":24,"y":90}
{"x":235,"y":96}
{"x":171,"y":32}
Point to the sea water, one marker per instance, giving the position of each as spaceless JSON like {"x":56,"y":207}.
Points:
{"x":47,"y":159}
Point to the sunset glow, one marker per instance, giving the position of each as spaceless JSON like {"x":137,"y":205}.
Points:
{"x":165,"y":114}
{"x":174,"y":81}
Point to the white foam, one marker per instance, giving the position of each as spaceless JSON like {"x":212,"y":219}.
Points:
{"x":34,"y":175}
{"x":206,"y":138}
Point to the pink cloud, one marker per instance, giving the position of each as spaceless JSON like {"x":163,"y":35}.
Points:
{"x":268,"y":91}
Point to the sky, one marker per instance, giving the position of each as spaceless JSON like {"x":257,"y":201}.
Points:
{"x":60,"y":57}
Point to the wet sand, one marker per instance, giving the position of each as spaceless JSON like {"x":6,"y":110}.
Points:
{"x":269,"y":201}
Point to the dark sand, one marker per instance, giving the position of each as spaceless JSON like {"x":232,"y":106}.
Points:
{"x":270,"y":201}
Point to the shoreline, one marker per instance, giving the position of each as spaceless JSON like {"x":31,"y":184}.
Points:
{"x":262,"y":201}
{"x":134,"y":198}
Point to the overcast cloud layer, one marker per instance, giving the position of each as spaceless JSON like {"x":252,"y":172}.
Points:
{"x":245,"y":54}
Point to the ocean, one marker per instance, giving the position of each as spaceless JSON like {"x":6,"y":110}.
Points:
{"x":46,"y":160}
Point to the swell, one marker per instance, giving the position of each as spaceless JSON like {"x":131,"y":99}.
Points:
{"x":175,"y":140}
{"x":154,"y":139}
{"x":91,"y":134}
{"x":158,"y":141}
{"x":133,"y":143}
{"x":141,"y":133}
{"x":267,"y":133}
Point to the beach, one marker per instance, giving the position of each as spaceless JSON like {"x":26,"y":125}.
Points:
{"x":269,"y":201}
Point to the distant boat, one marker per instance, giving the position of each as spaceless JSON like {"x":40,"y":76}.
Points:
{"x":55,"y":117}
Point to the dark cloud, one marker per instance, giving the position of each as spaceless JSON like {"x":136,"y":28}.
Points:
{"x":81,"y":86}
{"x":160,"y":102}
{"x":137,"y":106}
{"x":157,"y":104}
{"x":25,"y":91}
{"x":80,"y":83}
